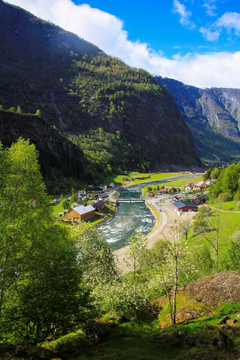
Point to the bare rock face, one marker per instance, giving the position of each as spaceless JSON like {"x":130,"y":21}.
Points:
{"x":213,"y":115}
{"x":222,"y":287}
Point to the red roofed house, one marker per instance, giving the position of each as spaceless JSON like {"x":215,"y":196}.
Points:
{"x":184,"y":206}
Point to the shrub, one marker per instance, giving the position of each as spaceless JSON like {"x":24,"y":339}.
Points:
{"x":68,"y":343}
{"x":227,"y":196}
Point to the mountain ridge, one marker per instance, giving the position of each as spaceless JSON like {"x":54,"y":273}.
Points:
{"x":78,"y":88}
{"x":212,"y":115}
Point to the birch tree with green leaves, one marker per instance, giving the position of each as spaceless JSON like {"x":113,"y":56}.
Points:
{"x":40,"y":280}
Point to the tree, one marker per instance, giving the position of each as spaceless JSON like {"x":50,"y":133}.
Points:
{"x":40,"y":278}
{"x":65,"y":204}
{"x":172,"y":264}
{"x":38,"y":113}
{"x":171,"y":259}
{"x":23,"y":199}
{"x":50,"y":299}
{"x":73,"y":199}
{"x":95,"y":256}
{"x":205,"y":225}
{"x":185,"y":227}
{"x":19,"y":110}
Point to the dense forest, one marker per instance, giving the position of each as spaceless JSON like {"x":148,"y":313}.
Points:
{"x":79,"y":89}
{"x":228,"y":182}
{"x":62,"y":163}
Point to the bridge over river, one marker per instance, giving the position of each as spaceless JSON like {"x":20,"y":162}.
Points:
{"x":129,"y":201}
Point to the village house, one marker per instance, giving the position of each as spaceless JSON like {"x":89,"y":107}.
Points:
{"x":81,"y":213}
{"x":189,"y":186}
{"x":211,"y":181}
{"x":184,"y":206}
{"x":99,"y":205}
{"x":200,"y":186}
{"x":103,"y":187}
{"x":200,"y":199}
{"x":111,"y":185}
{"x":81,"y":193}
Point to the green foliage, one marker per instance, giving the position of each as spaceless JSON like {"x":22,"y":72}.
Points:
{"x":12,"y":109}
{"x":225,"y":196}
{"x":80,"y":88}
{"x":19,"y":110}
{"x":38,"y":113}
{"x":233,"y":257}
{"x":123,"y":298}
{"x":40,"y":279}
{"x":65,"y":204}
{"x":73,"y":198}
{"x":228,"y":182}
{"x":68,"y":343}
{"x":96,"y":258}
{"x":110,"y":152}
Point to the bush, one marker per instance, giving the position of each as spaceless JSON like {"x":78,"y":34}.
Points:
{"x":225,"y":196}
{"x":68,"y":343}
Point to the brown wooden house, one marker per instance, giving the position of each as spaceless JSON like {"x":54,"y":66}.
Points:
{"x":81,"y":213}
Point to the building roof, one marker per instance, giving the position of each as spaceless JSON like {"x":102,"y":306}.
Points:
{"x":181,"y":204}
{"x":99,"y":202}
{"x":81,"y":209}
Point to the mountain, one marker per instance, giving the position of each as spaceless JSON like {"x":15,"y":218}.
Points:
{"x":62,"y":163}
{"x":79,"y":89}
{"x":213,"y":115}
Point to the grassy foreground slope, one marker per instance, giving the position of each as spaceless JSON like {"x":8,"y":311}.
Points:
{"x":198,"y":334}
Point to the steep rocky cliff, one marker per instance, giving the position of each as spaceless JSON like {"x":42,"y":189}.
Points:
{"x":213,"y":116}
{"x":77,"y":87}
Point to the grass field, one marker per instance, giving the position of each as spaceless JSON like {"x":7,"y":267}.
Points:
{"x":227,"y":205}
{"x":183,"y":182}
{"x":56,"y":209}
{"x":128,"y":177}
{"x":178,"y":183}
{"x":229,"y":224}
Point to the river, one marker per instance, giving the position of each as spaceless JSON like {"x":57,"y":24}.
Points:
{"x":131,"y":217}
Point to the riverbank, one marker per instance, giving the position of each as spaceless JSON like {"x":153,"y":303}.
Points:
{"x":166,"y":217}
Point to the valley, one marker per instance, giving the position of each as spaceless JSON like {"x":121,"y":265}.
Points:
{"x":119,"y":193}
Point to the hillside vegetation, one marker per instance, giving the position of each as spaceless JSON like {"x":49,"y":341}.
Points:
{"x":80,"y":89}
{"x":62,"y":284}
{"x":63,"y":164}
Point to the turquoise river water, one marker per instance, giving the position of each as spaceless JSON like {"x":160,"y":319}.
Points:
{"x":130,"y":217}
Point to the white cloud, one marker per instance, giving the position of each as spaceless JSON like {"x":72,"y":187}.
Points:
{"x":230,"y":21}
{"x":210,"y":8}
{"x":184,"y":14}
{"x":107,"y":32}
{"x":209,"y":34}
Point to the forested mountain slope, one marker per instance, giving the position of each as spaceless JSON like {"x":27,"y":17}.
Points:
{"x":79,"y":88}
{"x":213,"y":116}
{"x":61,"y":161}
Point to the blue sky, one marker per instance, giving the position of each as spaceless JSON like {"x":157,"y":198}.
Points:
{"x":173,"y":26}
{"x":194,"y":41}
